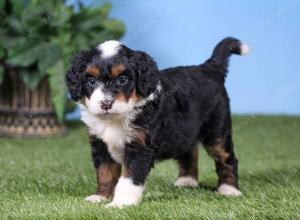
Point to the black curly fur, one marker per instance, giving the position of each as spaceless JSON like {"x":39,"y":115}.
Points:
{"x":76,"y":75}
{"x":192,"y":106}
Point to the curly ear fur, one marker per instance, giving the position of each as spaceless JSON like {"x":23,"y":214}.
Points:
{"x":147,"y":74}
{"x":75,"y":74}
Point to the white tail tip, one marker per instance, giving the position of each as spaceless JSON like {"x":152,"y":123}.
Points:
{"x":245,"y":49}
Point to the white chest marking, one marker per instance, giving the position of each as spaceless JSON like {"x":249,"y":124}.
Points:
{"x":115,"y":133}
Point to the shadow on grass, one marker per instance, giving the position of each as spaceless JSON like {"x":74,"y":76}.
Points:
{"x":207,"y":187}
{"x":161,"y":189}
{"x":283,"y":177}
{"x":74,"y":124}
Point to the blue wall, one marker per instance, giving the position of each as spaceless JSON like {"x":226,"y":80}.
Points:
{"x":184,"y":32}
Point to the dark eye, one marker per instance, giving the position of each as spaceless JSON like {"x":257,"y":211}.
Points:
{"x":122,"y":81}
{"x":92,"y":81}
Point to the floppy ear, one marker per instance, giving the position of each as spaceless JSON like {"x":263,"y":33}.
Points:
{"x":147,"y":74}
{"x":75,"y":75}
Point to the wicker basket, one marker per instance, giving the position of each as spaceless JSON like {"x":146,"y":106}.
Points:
{"x":25,"y":112}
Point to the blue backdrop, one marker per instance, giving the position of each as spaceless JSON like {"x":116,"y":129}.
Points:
{"x":184,"y":32}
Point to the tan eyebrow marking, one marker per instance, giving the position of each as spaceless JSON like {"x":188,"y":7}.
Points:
{"x":92,"y":70}
{"x":117,"y":70}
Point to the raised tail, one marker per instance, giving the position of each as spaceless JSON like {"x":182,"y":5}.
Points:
{"x":220,"y":56}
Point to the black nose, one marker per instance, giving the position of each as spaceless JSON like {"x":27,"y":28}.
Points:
{"x":106,"y":104}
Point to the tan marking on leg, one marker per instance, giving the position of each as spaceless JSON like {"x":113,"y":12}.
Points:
{"x":224,"y":170}
{"x":188,"y":166}
{"x":218,"y":151}
{"x":188,"y":169}
{"x":107,"y":178}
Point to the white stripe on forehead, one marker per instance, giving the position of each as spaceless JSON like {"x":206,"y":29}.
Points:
{"x":109,"y":48}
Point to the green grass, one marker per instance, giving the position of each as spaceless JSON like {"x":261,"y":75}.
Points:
{"x":49,"y":178}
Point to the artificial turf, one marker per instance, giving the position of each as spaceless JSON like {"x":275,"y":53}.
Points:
{"x":49,"y":178}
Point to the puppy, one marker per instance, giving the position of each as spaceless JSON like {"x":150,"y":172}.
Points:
{"x":136,"y":114}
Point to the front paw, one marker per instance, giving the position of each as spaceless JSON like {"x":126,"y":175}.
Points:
{"x":227,"y":190}
{"x":186,"y":181}
{"x":95,"y":198}
{"x":126,"y":194}
{"x":121,"y":204}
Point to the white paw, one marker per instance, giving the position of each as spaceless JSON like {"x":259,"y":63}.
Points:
{"x":123,"y":202}
{"x":227,"y":190}
{"x":95,"y":198}
{"x":186,"y":181}
{"x":113,"y":205}
{"x":126,"y":194}
{"x":120,"y":204}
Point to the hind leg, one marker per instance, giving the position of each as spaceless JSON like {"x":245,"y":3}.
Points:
{"x":217,"y":139}
{"x":188,"y":169}
{"x":226,"y":165}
